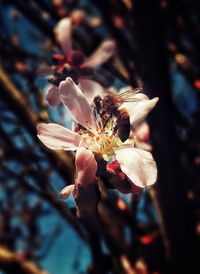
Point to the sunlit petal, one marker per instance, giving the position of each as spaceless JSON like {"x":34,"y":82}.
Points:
{"x":52,"y":96}
{"x":138,"y":165}
{"x":101,"y":55}
{"x":139,"y":110}
{"x":57,"y":137}
{"x":76,"y":103}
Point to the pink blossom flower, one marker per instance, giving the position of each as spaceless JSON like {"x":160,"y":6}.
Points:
{"x":102,"y":140}
{"x":63,"y":35}
{"x":85,"y":190}
{"x":74,"y":64}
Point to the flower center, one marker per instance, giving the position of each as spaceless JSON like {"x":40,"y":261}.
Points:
{"x":112,"y":126}
{"x":103,"y":142}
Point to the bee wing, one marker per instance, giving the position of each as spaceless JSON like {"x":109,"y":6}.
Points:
{"x":130,"y":92}
{"x":128,"y":95}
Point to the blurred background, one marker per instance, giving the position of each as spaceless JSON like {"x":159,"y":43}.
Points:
{"x":158,"y":48}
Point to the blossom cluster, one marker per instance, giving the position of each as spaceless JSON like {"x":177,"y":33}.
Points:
{"x":108,"y":127}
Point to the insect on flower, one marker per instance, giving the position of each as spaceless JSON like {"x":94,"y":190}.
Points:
{"x":99,"y":129}
{"x":110,"y":107}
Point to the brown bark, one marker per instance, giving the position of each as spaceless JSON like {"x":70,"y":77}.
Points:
{"x":28,"y":117}
{"x":152,"y":66}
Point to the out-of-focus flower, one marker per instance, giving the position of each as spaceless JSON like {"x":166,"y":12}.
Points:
{"x":63,"y":35}
{"x":21,"y":66}
{"x":121,"y":205}
{"x":85,"y":190}
{"x":141,"y":267}
{"x":197,"y":84}
{"x":118,"y":21}
{"x":72,"y":63}
{"x":99,"y":134}
{"x":77,"y":16}
{"x":128,"y":268}
{"x":95,"y":22}
{"x":147,"y":239}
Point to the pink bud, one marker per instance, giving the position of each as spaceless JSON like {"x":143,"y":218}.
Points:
{"x":86,"y":192}
{"x":143,"y":132}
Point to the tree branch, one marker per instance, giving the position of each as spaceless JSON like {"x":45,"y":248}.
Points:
{"x":12,"y":263}
{"x":17,"y":100}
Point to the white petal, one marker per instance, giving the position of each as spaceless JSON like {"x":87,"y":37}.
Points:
{"x":138,"y":165}
{"x":143,"y":145}
{"x":140,"y":109}
{"x":90,"y":89}
{"x":53,"y":97}
{"x":101,"y":55}
{"x":63,"y":34}
{"x":66,"y":191}
{"x":76,"y":103}
{"x":57,"y":137}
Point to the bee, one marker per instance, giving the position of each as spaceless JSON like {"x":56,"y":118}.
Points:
{"x":110,"y":107}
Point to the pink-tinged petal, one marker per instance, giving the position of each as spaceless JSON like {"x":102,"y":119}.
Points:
{"x":139,"y":110}
{"x":138,"y":165}
{"x":101,"y":54}
{"x":63,"y":34}
{"x":57,"y":137}
{"x":142,"y":132}
{"x":76,"y":103}
{"x":90,"y":89}
{"x":86,"y":193}
{"x":53,"y":97}
{"x":66,"y":192}
{"x":86,"y":166}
